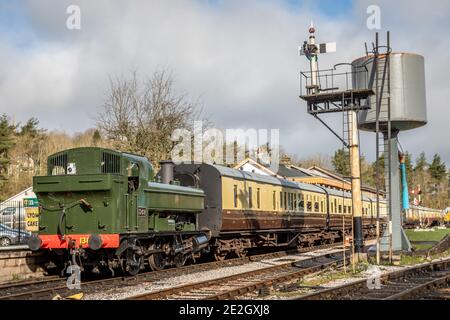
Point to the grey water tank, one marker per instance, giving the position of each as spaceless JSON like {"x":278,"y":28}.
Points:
{"x":408,"y":99}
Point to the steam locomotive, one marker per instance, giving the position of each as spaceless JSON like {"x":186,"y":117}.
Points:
{"x":103,"y":209}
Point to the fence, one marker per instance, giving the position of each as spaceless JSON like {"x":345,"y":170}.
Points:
{"x":13,"y":225}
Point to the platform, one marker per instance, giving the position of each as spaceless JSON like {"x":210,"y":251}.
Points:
{"x":337,"y":96}
{"x":338,"y":101}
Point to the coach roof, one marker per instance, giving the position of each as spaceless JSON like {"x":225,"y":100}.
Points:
{"x":244,"y":175}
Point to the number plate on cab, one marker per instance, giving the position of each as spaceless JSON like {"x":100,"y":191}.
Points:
{"x":142,"y":212}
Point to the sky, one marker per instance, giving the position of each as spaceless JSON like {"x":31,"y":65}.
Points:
{"x":238,"y":58}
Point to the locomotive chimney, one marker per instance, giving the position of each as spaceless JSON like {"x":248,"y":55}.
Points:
{"x":166,"y":171}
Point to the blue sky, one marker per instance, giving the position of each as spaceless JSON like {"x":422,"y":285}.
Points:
{"x":239,"y":58}
{"x":329,"y":8}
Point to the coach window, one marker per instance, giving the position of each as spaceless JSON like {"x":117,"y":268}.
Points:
{"x":289,"y":195}
{"x":340,"y":208}
{"x":345,"y":209}
{"x":235,"y":196}
{"x":309,"y":206}
{"x":321,"y":206}
{"x":316,"y":206}
{"x":258,"y":199}
{"x":295,"y":202}
{"x":281,"y":200}
{"x":301,"y":203}
{"x":250,"y":200}
{"x":285,"y":201}
{"x":290,"y":201}
{"x":349,"y":209}
{"x":273,"y":200}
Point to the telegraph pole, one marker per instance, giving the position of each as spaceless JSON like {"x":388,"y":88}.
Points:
{"x":355,"y":173}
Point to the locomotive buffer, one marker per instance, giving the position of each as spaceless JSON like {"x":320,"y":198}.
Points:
{"x":329,"y":91}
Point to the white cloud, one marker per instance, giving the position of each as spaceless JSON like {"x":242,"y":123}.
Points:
{"x":239,"y":57}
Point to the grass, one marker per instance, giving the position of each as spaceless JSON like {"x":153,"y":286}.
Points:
{"x":15,"y":277}
{"x":435,"y":235}
{"x":333,"y":275}
{"x":411,"y":260}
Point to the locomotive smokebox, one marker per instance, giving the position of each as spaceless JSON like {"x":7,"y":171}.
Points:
{"x":167,"y":167}
{"x":406,"y":77}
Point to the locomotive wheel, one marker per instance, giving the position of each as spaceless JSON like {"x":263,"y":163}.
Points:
{"x":179,"y":260}
{"x":157,"y":261}
{"x":133,"y":263}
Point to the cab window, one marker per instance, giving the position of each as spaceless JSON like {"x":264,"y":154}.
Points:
{"x":133,"y":177}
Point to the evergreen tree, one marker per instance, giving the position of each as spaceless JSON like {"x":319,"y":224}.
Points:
{"x":409,"y":169}
{"x":31,"y":139}
{"x":421,"y":163}
{"x":6,"y":144}
{"x":437,"y":168}
{"x":96,"y":138}
{"x":31,"y":128}
{"x":420,"y":174}
{"x":341,"y":162}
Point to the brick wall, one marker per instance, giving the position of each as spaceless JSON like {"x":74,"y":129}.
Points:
{"x":20,"y":264}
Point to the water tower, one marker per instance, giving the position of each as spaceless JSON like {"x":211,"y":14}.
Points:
{"x":399,"y":103}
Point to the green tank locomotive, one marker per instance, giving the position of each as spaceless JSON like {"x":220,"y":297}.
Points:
{"x":103,"y":209}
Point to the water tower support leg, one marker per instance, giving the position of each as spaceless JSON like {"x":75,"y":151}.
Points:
{"x":400,"y":242}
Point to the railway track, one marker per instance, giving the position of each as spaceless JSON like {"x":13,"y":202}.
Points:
{"x":427,"y":281}
{"x":239,"y":284}
{"x":45,"y":289}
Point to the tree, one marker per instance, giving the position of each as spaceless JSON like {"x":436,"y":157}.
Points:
{"x":96,"y":138}
{"x":6,"y":144}
{"x":27,"y":154}
{"x":420,"y":173}
{"x":341,"y":162}
{"x":367,"y":173}
{"x":141,"y":117}
{"x":437,"y":168}
{"x":381,"y":173}
{"x":319,"y":160}
{"x":409,"y":169}
{"x":421,"y":163}
{"x":31,"y":128}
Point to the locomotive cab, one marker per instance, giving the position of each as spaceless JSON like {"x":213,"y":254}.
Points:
{"x":83,"y":193}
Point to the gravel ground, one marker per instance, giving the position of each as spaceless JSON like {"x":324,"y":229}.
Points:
{"x":371,"y":271}
{"x":146,"y":287}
